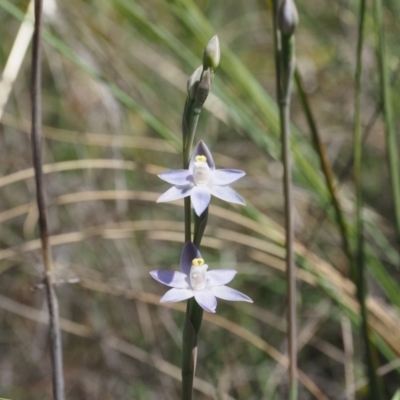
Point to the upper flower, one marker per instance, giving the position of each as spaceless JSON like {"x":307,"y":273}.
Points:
{"x":201,"y":181}
{"x":195,"y":281}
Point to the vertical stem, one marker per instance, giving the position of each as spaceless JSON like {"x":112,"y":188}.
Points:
{"x":290,"y":264}
{"x":193,"y":319}
{"x":376,"y":392}
{"x":186,"y":146}
{"x":392,"y":147}
{"x":375,"y":389}
{"x":190,"y":118}
{"x":348,"y":357}
{"x":326,"y":167}
{"x":36,"y":137}
{"x":194,"y":313}
{"x":284,"y":62}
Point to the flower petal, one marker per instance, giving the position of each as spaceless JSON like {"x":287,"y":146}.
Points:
{"x":226,"y":193}
{"x":174,"y":295}
{"x":200,"y":196}
{"x":218,"y":277}
{"x":227,"y":293}
{"x":189,"y":253}
{"x":174,"y":279}
{"x":178,"y":177}
{"x":202,"y":150}
{"x":206,"y":300}
{"x":224,"y":177}
{"x":175,"y":193}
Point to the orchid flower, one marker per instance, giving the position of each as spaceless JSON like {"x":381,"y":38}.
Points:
{"x":201,"y":181}
{"x":195,"y":281}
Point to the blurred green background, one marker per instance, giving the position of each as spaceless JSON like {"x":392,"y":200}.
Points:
{"x":114,"y":86}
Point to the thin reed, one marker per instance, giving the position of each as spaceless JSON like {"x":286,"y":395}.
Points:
{"x":54,"y":335}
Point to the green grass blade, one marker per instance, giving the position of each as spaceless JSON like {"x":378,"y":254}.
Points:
{"x":392,"y":146}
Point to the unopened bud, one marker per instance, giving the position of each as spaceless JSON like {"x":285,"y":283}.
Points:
{"x":193,"y":82}
{"x":212,"y":54}
{"x":288,"y":17}
{"x":203,"y":89}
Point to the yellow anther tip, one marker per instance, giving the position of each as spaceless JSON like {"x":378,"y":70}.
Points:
{"x":198,"y":261}
{"x":200,"y":158}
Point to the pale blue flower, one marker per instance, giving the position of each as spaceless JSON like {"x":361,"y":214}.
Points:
{"x":195,"y":281}
{"x":201,"y":181}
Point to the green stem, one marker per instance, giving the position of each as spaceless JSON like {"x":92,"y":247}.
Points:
{"x":325,"y":165}
{"x":189,"y":125}
{"x":193,"y":319}
{"x":358,"y":271}
{"x":194,"y":313}
{"x":200,"y":224}
{"x":392,"y":148}
{"x":288,"y":50}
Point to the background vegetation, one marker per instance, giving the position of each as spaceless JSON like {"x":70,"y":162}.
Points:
{"x":114,"y":86}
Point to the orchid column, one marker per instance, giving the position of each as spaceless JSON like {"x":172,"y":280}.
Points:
{"x":196,"y":182}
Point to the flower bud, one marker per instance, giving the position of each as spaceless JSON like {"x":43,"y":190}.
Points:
{"x":288,"y":17}
{"x":193,"y":82}
{"x":212,"y":54}
{"x":203,"y":89}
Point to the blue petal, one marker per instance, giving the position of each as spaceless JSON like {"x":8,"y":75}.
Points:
{"x":226,"y":193}
{"x":179,"y":177}
{"x":218,"y":277}
{"x":175,"y":193}
{"x":206,"y":300}
{"x":202,"y":150}
{"x":224,"y":177}
{"x":174,"y":279}
{"x":200,"y":196}
{"x":227,"y":293}
{"x":174,"y":295}
{"x":189,"y":253}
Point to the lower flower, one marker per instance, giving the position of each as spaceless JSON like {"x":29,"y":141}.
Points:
{"x":195,"y":281}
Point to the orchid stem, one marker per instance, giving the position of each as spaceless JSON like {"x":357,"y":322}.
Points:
{"x":36,"y":138}
{"x":189,"y":124}
{"x":194,"y":313}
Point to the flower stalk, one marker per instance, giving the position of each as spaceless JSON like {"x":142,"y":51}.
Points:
{"x":36,"y":139}
{"x":196,"y":182}
{"x":194,"y":313}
